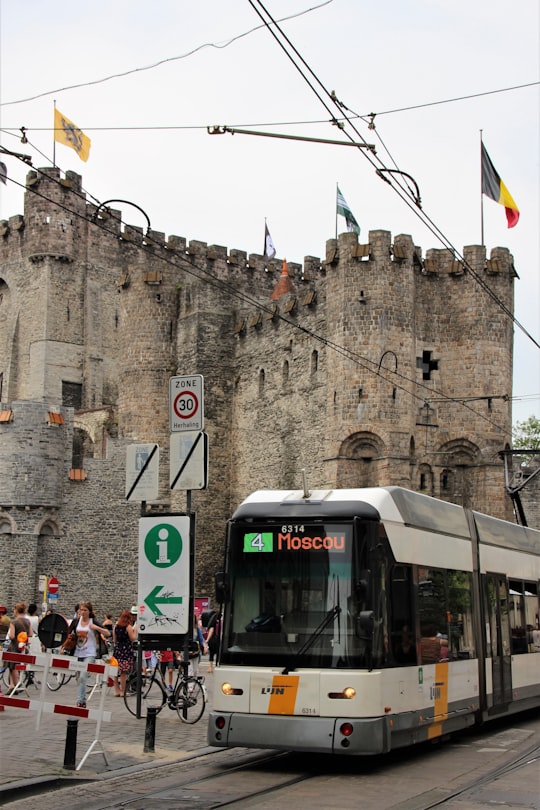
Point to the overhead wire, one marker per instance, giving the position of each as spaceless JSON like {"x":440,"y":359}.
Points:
{"x":397,"y":184}
{"x":193,"y":51}
{"x":182,"y":263}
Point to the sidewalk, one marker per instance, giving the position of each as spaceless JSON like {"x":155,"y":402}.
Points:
{"x":28,"y":753}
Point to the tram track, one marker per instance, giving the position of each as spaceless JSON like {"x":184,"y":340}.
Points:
{"x":449,"y":775}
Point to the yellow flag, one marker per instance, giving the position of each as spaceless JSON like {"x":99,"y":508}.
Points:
{"x":67,"y":133}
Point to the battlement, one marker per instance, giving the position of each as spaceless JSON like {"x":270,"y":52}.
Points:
{"x":47,"y":229}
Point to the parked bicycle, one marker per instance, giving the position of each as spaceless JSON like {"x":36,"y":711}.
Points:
{"x":188,"y":696}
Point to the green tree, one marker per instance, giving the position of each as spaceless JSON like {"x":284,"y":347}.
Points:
{"x":527,"y":437}
{"x":526,"y":434}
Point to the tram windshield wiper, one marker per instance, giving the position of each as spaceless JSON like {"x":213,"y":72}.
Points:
{"x":332,"y":613}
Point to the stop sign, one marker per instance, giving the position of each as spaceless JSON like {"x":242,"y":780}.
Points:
{"x":53,"y":585}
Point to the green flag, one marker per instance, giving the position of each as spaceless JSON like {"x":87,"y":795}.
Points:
{"x":345,"y":211}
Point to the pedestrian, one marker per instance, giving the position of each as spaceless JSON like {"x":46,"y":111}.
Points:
{"x":124,"y":634}
{"x":213,"y":638}
{"x":5,"y":621}
{"x":87,"y":649}
{"x":108,"y":621}
{"x":34,"y":646}
{"x":198,"y":647}
{"x":20,"y":630}
{"x":166,"y":661}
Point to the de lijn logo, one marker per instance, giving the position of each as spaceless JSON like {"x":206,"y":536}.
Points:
{"x":162,"y":548}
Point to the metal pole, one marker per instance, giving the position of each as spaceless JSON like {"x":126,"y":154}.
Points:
{"x":150,"y":731}
{"x":481,"y":195}
{"x":70,"y":751}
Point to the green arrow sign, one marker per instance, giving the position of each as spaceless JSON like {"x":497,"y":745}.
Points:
{"x":152,"y":600}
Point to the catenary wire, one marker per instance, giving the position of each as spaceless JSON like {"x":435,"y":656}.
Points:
{"x":162,"y":61}
{"x":396,"y":184}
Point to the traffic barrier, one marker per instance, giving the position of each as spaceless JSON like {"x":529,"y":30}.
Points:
{"x":54,"y":708}
{"x":48,"y":662}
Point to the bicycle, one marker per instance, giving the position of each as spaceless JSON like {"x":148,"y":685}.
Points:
{"x":188,"y":696}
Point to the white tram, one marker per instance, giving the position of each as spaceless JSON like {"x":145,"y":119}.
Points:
{"x":356,"y":621}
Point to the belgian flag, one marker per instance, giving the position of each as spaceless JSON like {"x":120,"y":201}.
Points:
{"x":493,"y":187}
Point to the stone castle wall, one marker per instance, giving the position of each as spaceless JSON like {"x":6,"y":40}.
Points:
{"x":372,"y":366}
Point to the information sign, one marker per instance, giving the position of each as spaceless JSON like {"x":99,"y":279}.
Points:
{"x":142,"y":472}
{"x":164,"y":574}
{"x":189,"y":460}
{"x":186,"y":403}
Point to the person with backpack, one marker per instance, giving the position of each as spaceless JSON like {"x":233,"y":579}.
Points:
{"x":20,"y":630}
{"x":213,"y":638}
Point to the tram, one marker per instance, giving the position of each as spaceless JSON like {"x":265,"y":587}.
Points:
{"x":356,"y":621}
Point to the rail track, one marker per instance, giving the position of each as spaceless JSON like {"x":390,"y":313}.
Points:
{"x":469,"y":770}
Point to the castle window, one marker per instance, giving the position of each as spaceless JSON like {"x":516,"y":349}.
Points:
{"x":261,"y":381}
{"x":427,"y":364}
{"x":285,"y":372}
{"x":71,"y":395}
{"x":314,"y":361}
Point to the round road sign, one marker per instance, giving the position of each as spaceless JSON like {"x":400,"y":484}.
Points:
{"x":53,"y":630}
{"x":185,"y":405}
{"x":53,"y":585}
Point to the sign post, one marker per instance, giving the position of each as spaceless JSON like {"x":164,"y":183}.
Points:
{"x":164,"y":575}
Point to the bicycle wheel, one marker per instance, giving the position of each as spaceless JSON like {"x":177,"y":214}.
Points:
{"x":4,"y":674}
{"x":152,"y":696}
{"x":55,"y":680}
{"x":190,"y":700}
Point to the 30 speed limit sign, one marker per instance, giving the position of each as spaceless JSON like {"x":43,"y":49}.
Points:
{"x":186,"y":403}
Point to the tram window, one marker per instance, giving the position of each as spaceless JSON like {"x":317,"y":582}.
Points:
{"x":460,"y":615}
{"x":445,"y":615}
{"x":518,"y":626}
{"x":532,"y":624}
{"x":432,"y":614}
{"x":403,"y":640}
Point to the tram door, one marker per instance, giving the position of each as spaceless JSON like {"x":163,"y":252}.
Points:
{"x":498,"y":641}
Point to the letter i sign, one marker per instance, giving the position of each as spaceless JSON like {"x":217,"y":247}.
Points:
{"x":164,"y":574}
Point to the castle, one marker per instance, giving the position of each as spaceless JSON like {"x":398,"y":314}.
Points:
{"x":373,"y":366}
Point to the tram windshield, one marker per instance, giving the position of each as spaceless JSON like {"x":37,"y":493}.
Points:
{"x":301,"y":595}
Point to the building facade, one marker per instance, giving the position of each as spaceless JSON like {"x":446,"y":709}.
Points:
{"x":376,"y":365}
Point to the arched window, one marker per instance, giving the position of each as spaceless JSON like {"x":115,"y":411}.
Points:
{"x":261,"y":382}
{"x":358,"y":460}
{"x":314,"y":361}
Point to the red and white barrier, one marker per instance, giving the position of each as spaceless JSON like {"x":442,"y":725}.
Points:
{"x":44,"y":663}
{"x":54,"y":708}
{"x":63,"y":663}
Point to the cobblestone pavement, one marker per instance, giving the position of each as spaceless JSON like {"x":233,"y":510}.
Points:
{"x":28,"y":752}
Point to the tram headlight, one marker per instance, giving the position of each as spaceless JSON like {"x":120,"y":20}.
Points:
{"x":229,"y":689}
{"x":346,"y":694}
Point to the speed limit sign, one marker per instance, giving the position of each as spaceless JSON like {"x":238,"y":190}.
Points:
{"x":186,"y":403}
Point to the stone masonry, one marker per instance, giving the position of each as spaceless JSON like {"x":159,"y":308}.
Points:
{"x":373,"y":366}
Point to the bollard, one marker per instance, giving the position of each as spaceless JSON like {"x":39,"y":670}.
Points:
{"x":70,"y":753}
{"x":150,"y":730}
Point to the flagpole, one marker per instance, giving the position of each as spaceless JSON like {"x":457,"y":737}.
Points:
{"x":481,"y":196}
{"x":337,"y":187}
{"x":54,"y":135}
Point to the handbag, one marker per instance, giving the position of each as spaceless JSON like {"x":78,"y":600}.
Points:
{"x":69,"y":643}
